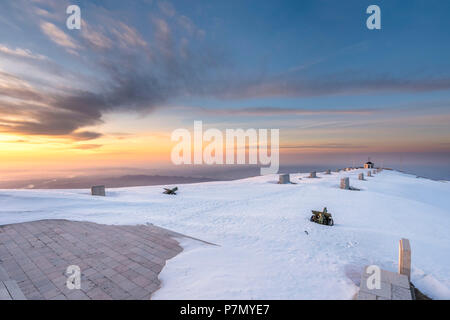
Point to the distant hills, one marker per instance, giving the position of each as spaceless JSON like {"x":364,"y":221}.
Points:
{"x":85,"y":182}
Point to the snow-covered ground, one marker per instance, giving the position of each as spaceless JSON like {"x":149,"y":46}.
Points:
{"x":267,"y":247}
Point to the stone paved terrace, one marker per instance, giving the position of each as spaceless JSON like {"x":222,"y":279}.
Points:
{"x":393,"y":286}
{"x":116,"y":262}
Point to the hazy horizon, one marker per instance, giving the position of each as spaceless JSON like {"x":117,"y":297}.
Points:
{"x":141,"y":176}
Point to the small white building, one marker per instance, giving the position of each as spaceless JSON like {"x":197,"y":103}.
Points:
{"x":368,"y":165}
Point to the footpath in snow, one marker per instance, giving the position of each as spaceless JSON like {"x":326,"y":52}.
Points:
{"x":268,"y":248}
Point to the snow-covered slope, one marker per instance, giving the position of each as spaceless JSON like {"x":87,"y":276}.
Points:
{"x":268,"y":248}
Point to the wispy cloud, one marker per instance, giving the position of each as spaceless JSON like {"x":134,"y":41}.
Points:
{"x":325,"y":146}
{"x":274,"y":111}
{"x":167,"y":8}
{"x":59,"y":37}
{"x":14,"y":141}
{"x":337,"y":84}
{"x":94,"y":37}
{"x":87,"y":146}
{"x":20,"y":53}
{"x":13,"y":87}
{"x":127,"y":36}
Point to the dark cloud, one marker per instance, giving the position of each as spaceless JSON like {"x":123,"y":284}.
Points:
{"x":88,"y":146}
{"x":135,"y":76}
{"x":86,"y":135}
{"x":12,"y":86}
{"x":45,"y":119}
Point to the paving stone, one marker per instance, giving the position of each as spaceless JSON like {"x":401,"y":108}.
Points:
{"x":108,"y":272}
{"x":14,"y":290}
{"x":87,"y":285}
{"x":152,"y":287}
{"x":41,"y":282}
{"x":4,"y":294}
{"x":121,"y":268}
{"x":46,"y":288}
{"x":394,"y":286}
{"x":116,"y":262}
{"x":98,"y":294}
{"x":51,"y":293}
{"x":391,"y":277}
{"x":3,"y":274}
{"x":366,"y":296}
{"x":384,"y":291}
{"x":138,"y":293}
{"x":117,"y":278}
{"x":59,"y":282}
{"x":28,"y":290}
{"x":399,"y":293}
{"x":397,"y":279}
{"x":127,"y":285}
{"x":77,"y":295}
{"x":156,"y":268}
{"x":130,"y":274}
{"x":119,"y":294}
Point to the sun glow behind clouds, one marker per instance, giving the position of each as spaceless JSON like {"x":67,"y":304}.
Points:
{"x":126,"y":140}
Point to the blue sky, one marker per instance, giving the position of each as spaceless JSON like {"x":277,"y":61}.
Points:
{"x":143,"y":68}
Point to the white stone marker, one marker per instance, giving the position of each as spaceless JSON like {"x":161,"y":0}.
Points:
{"x":361,"y":176}
{"x":313,"y":175}
{"x":328,"y":171}
{"x":98,"y":191}
{"x":284,"y":179}
{"x":369,"y":174}
{"x":345,"y":183}
{"x":404,"y":258}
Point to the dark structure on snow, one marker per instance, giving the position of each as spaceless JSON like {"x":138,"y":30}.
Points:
{"x":369,"y":165}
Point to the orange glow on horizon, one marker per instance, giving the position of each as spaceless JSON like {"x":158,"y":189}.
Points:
{"x":46,"y":152}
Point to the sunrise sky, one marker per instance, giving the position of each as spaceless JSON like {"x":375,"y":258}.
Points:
{"x":110,"y":95}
